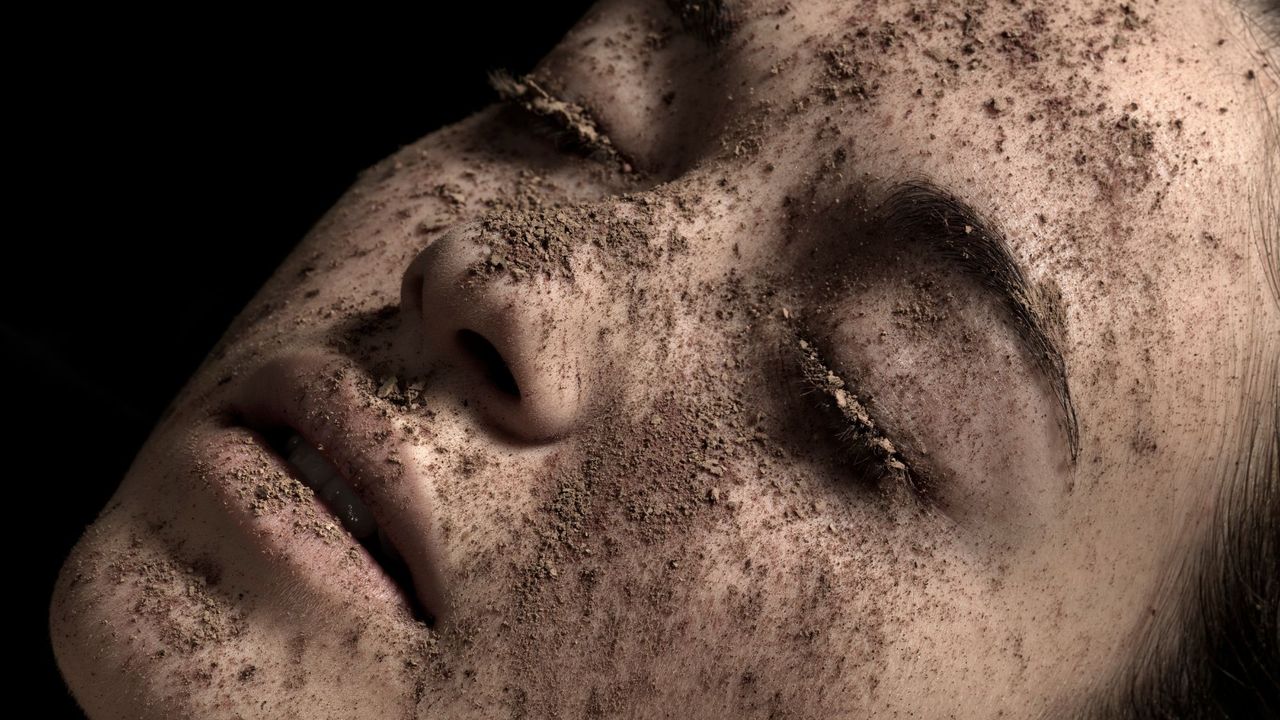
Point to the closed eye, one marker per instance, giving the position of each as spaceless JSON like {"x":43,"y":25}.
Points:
{"x":861,"y":435}
{"x":570,"y":125}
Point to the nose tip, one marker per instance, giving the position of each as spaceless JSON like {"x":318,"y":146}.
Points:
{"x":515,"y":348}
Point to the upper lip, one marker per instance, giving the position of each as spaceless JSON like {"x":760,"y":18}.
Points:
{"x":301,"y":392}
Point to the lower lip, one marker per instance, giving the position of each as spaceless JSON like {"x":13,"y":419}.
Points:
{"x":298,"y":535}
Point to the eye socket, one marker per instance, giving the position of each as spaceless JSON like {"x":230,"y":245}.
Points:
{"x":865,"y":441}
{"x":569,"y":125}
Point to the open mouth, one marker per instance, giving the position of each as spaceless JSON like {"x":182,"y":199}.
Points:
{"x":316,"y":472}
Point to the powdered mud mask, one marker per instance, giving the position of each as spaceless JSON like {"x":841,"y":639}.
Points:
{"x":743,"y":359}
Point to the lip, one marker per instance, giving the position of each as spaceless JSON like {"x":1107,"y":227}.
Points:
{"x":308,"y":393}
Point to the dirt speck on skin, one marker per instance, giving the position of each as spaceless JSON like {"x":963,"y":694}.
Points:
{"x":1123,"y":155}
{"x":853,"y":64}
{"x":860,"y":429}
{"x":189,"y":611}
{"x":266,"y":491}
{"x":574,"y":125}
{"x":404,"y":394}
{"x":541,"y":241}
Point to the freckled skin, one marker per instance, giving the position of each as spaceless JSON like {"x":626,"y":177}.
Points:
{"x":666,"y":523}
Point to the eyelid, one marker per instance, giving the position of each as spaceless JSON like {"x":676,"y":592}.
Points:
{"x":570,"y":124}
{"x":862,"y":433}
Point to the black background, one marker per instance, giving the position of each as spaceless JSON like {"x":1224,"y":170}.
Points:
{"x":166,"y":166}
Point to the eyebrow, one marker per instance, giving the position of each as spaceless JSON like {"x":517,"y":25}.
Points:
{"x":961,"y":236}
{"x":710,"y":20}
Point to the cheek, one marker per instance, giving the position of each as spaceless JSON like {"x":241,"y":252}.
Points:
{"x":697,"y":546}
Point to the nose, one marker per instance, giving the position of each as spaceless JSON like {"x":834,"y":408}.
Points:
{"x":518,"y":342}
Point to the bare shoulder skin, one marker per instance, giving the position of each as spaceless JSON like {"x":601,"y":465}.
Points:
{"x":781,"y":359}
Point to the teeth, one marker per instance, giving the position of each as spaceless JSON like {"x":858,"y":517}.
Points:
{"x":348,"y":507}
{"x":316,"y":471}
{"x":325,"y":480}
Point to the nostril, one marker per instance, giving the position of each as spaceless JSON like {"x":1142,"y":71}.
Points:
{"x":490,"y":361}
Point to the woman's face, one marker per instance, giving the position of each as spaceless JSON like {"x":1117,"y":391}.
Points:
{"x":771,"y":409}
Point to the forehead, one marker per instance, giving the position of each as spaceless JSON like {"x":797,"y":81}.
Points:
{"x":1079,"y":100}
{"x":1082,"y":123}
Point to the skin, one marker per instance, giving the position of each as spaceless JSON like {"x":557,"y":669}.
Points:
{"x":666,"y":523}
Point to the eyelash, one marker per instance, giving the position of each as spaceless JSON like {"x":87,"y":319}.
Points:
{"x":860,"y":434}
{"x":566,"y":124}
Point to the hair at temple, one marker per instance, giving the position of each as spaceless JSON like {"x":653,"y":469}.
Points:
{"x":1213,"y":651}
{"x":1216,"y":651}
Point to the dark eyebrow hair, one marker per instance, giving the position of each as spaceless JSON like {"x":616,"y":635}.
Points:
{"x":955,"y":231}
{"x":710,"y":20}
